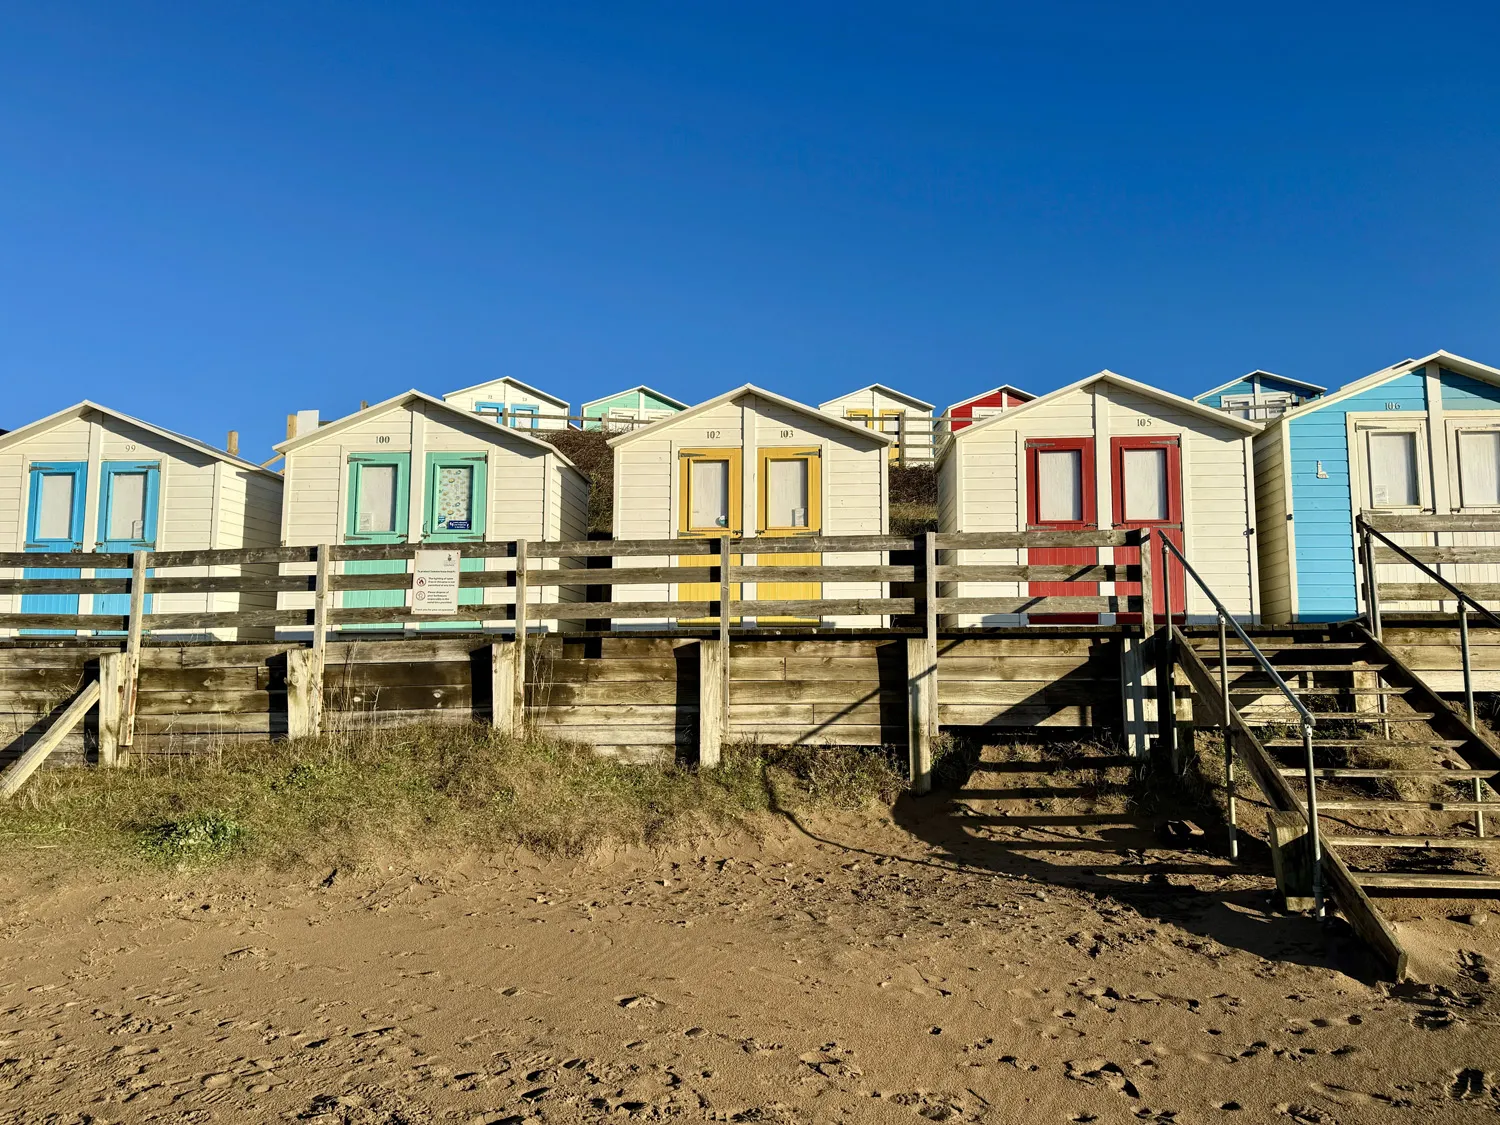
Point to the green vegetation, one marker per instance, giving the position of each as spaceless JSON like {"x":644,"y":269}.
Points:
{"x":341,"y":798}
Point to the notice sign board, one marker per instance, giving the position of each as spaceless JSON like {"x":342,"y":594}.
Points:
{"x":434,"y":582}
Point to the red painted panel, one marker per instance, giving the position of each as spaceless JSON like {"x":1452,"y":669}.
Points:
{"x":1170,"y":527}
{"x":1045,"y":556}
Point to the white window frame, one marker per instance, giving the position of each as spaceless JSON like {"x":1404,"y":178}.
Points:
{"x":1360,"y":428}
{"x":1466,"y":423}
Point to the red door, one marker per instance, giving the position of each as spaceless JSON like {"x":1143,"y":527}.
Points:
{"x":1147,"y":485}
{"x":1060,"y":497}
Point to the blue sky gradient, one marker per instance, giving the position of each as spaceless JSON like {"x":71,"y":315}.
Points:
{"x":214,"y":214}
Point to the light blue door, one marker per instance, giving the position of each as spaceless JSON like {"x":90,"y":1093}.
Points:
{"x":54,"y":523}
{"x":128,"y":492}
{"x":523,"y":417}
{"x":456,"y":512}
{"x":378,"y":503}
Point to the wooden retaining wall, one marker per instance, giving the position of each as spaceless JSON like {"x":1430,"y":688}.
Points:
{"x":635,"y":697}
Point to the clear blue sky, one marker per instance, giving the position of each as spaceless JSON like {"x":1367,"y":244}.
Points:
{"x":212,"y":214}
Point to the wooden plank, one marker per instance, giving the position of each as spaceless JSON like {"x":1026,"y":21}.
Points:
{"x":231,"y":556}
{"x":576,"y":611}
{"x":403,"y":651}
{"x":217,"y":584}
{"x":24,"y":766}
{"x":1412,"y":881}
{"x":1010,"y":717}
{"x":1464,"y":843}
{"x":1013,"y":540}
{"x":111,"y":705}
{"x":503,"y":714}
{"x":303,"y":667}
{"x":980,"y":669}
{"x":1389,"y":523}
{"x":1433,"y":555}
{"x":713,"y":708}
{"x":613,"y":693}
{"x":156,"y":726}
{"x":207,"y":703}
{"x":1432,"y":592}
{"x":1082,"y":572}
{"x":134,"y":626}
{"x":1041,"y":603}
{"x":659,"y":575}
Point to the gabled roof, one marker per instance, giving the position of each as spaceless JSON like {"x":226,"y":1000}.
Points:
{"x":1167,"y":398}
{"x":514,"y":383}
{"x":883,"y":389}
{"x":1455,"y":363}
{"x":752,"y":389}
{"x":79,"y":409}
{"x":653,"y":392}
{"x":1266,"y":374}
{"x":1008,"y":387}
{"x":417,"y":396}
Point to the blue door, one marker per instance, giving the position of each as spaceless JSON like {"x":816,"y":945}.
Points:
{"x":456,"y":513}
{"x":378,"y":503}
{"x":54,"y":523}
{"x":523,"y":417}
{"x":128,"y":492}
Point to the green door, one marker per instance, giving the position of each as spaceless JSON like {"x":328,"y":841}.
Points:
{"x":379,"y":500}
{"x":455,"y":513}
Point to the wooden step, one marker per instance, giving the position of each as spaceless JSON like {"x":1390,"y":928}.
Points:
{"x":1214,"y":661}
{"x":1333,"y":774}
{"x":1426,"y":881}
{"x":1384,"y":804}
{"x":1271,"y":689}
{"x":1449,"y":842}
{"x":1366,"y":743}
{"x":1211,"y":644}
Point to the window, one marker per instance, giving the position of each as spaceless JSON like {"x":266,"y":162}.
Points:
{"x":1059,"y":485}
{"x":523,"y":417}
{"x":790,"y":491}
{"x":377,"y":499}
{"x":708,"y":492}
{"x":127,"y":507}
{"x":1145,"y":481}
{"x":493,"y":409}
{"x":54,"y":519}
{"x":379,"y":484}
{"x":1241,"y":406}
{"x":1479,"y":468}
{"x":1394,"y":481}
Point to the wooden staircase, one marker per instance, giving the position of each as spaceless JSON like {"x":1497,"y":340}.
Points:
{"x":1406,"y":787}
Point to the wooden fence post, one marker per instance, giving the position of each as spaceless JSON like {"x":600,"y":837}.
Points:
{"x":317,"y":659}
{"x":921,"y":678}
{"x":723,"y":664}
{"x":302,"y":693}
{"x":713,"y":660}
{"x":518,"y":683}
{"x":929,"y":562}
{"x":503,"y":714}
{"x":133,"y":650}
{"x":112,"y":666}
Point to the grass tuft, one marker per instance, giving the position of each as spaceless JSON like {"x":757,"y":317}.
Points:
{"x":344,"y":798}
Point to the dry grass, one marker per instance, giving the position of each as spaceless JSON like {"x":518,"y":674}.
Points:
{"x":337,"y":799}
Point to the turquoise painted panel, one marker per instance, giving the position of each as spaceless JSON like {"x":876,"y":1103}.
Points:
{"x":1460,"y":392}
{"x":1215,"y":398}
{"x":651,"y":402}
{"x":625,"y":400}
{"x":1322,"y":507}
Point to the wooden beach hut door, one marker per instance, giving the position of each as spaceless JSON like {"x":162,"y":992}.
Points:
{"x":1147,"y":476}
{"x":54,"y":524}
{"x":709,"y":505}
{"x":791,"y":492}
{"x":455,"y":513}
{"x":128,"y":498}
{"x":1060,"y":497}
{"x":378,"y":502}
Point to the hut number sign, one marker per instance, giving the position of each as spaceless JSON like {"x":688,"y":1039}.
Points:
{"x":434,"y":582}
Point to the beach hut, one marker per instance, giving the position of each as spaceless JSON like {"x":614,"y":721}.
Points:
{"x":880,"y":408}
{"x":89,"y":479}
{"x":416,"y":469}
{"x":1106,"y":452}
{"x":514,"y":403}
{"x":1260,"y":396}
{"x":629,"y":410}
{"x":1420,"y":436}
{"x":752,"y":463}
{"x":997,"y":400}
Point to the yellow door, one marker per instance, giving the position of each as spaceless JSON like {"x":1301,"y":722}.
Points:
{"x":791,"y":492}
{"x":708,"y":507}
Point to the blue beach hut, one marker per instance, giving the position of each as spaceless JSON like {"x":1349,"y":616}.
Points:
{"x":1260,"y":396}
{"x":1419,"y":437}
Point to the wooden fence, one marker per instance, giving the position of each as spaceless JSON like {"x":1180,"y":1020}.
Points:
{"x":887,"y":685}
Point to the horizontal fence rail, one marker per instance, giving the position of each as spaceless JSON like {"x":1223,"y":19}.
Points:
{"x":598,"y":582}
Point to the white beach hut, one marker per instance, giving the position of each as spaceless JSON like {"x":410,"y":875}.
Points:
{"x":906,"y":419}
{"x":514,"y":403}
{"x":91,"y":479}
{"x":1107,"y":452}
{"x":752,"y":463}
{"x":415,"y":469}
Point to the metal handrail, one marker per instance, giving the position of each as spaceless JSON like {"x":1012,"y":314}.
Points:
{"x":1458,"y":594}
{"x":1308,"y":721}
